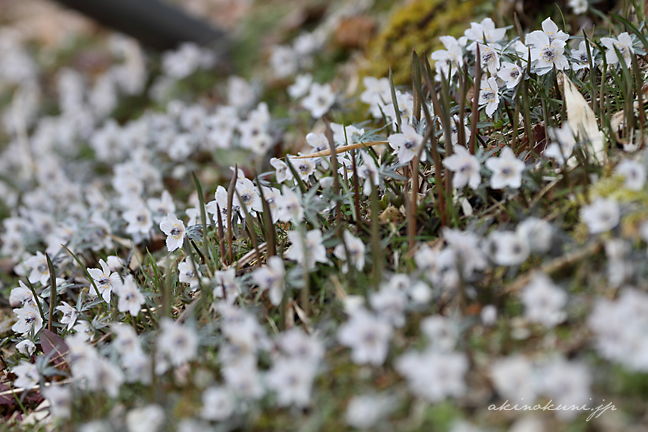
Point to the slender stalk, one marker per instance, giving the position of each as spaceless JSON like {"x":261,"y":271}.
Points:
{"x":375,"y":236}
{"x":475,"y":103}
{"x":230,"y":199}
{"x":53,"y":292}
{"x":334,"y":171}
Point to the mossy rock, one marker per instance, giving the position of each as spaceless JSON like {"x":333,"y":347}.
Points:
{"x":417,"y":26}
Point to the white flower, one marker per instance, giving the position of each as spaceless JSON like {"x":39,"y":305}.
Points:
{"x":510,"y":248}
{"x":549,"y":29}
{"x":562,"y":143}
{"x":69,"y":314}
{"x":543,"y":301}
{"x":139,"y":220}
{"x":146,"y":419}
{"x":440,"y":267}
{"x":579,"y":6}
{"x":434,"y":375}
{"x":377,"y":93}
{"x":187,"y":274}
{"x":567,"y":384}
{"x":271,"y":278}
{"x":242,"y":378}
{"x":304,"y":167}
{"x":368,"y":171}
{"x":547,"y":54}
{"x":249,"y":196}
{"x":282,"y":171}
{"x":367,"y":335}
{"x":161,"y":206}
{"x":26,"y":347}
{"x":633,"y":172}
{"x":507,"y":170}
{"x":301,"y":86}
{"x":466,"y":245}
{"x":488,"y":315}
{"x":178,"y":342}
{"x":489,"y":58}
{"x":537,"y":233}
{"x":407,"y":143}
{"x":451,"y":57}
{"x":60,"y":400}
{"x":488,"y":95}
{"x":319,"y":99}
{"x":465,"y":167}
{"x":390,"y":305}
{"x":580,"y":55}
{"x":21,"y":295}
{"x":218,"y":404}
{"x":39,"y":268}
{"x":514,"y":380}
{"x":356,"y":249}
{"x":309,"y":250}
{"x":511,"y":74}
{"x":442,"y":332}
{"x":220,"y":202}
{"x":284,"y":61}
{"x":105,"y":280}
{"x":623,"y":44}
{"x":26,"y":375}
{"x":174,"y":230}
{"x":478,"y":32}
{"x":365,"y":411}
{"x":226,"y":285}
{"x":295,"y":343}
{"x":601,"y":216}
{"x":292,"y":380}
{"x":130,"y":297}
{"x":29,"y":319}
{"x":289,"y":208}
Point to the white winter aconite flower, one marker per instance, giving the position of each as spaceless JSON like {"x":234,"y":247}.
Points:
{"x":174,"y":230}
{"x":367,"y":335}
{"x":601,"y":216}
{"x":507,"y":170}
{"x":543,"y":301}
{"x":623,"y":44}
{"x":465,"y":168}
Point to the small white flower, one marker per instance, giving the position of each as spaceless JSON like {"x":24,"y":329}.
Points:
{"x":174,"y":230}
{"x":282,"y":171}
{"x":60,"y":400}
{"x":304,"y":167}
{"x":271,"y":278}
{"x":309,"y":250}
{"x":130,"y":297}
{"x":39,"y":268}
{"x":248,"y":195}
{"x":139,"y":220}
{"x":26,"y":347}
{"x":562,"y":143}
{"x":510,"y":248}
{"x":512,"y":377}
{"x":29,"y":318}
{"x":547,"y":54}
{"x":319,"y":99}
{"x":177,"y":342}
{"x":289,"y":208}
{"x":623,"y":44}
{"x":301,"y":86}
{"x":390,"y":305}
{"x":407,"y":143}
{"x":451,"y":57}
{"x":366,"y":411}
{"x":434,"y":375}
{"x":489,"y":58}
{"x":511,"y":74}
{"x":465,"y":167}
{"x":543,"y":301}
{"x":601,"y":216}
{"x":578,"y":6}
{"x":356,"y":249}
{"x":26,"y":375}
{"x":21,"y":295}
{"x":292,"y":380}
{"x":489,"y":96}
{"x":187,"y":274}
{"x":146,"y":419}
{"x":580,"y":56}
{"x":633,"y":172}
{"x":367,"y":335}
{"x":218,"y":404}
{"x":537,"y":233}
{"x":507,"y":170}
{"x":69,"y":314}
{"x":105,"y":280}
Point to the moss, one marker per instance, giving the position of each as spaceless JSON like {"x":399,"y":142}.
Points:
{"x":417,"y":26}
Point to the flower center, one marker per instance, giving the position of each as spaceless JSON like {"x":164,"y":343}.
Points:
{"x":548,"y":54}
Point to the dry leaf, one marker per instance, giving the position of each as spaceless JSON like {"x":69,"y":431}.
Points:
{"x":582,"y":119}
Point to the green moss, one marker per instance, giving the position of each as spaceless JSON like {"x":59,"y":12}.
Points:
{"x":417,"y":26}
